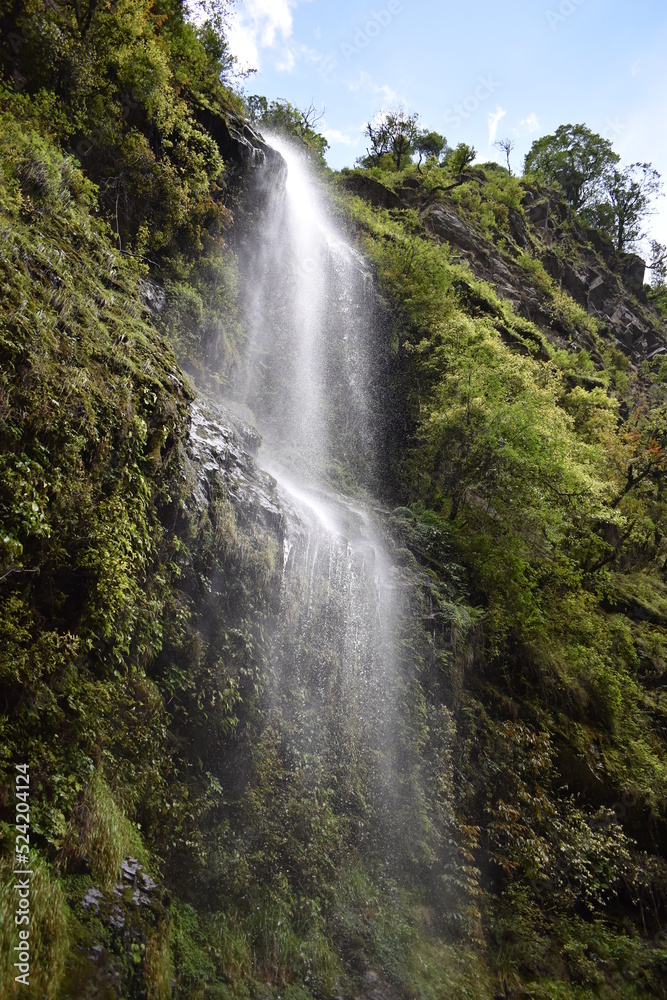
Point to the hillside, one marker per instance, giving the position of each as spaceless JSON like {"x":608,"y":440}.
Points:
{"x":207,"y":816}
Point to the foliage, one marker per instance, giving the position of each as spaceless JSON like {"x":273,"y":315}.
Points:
{"x":284,"y":119}
{"x":461,"y":158}
{"x":430,"y":145}
{"x":574,"y":159}
{"x":528,"y":486}
{"x":49,"y":939}
{"x":397,"y":133}
{"x":133,"y":125}
{"x":627,"y":195}
{"x":139,"y":599}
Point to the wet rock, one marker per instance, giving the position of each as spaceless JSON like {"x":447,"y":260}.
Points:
{"x":152,"y":296}
{"x":131,"y":920}
{"x":379,"y":989}
{"x":239,"y":142}
{"x":129,"y":868}
{"x":222,"y":449}
{"x":91,"y":900}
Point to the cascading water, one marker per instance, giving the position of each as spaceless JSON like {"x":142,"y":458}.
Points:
{"x":307,"y":308}
{"x":337,"y":680}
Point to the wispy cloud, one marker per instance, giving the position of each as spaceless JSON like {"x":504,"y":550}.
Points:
{"x":334,"y":135}
{"x":530,"y":123}
{"x":262,"y":24}
{"x":527,"y":126}
{"x":324,"y":62}
{"x":365,"y":82}
{"x":495,"y":117}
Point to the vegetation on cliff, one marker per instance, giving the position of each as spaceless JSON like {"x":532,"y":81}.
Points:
{"x":181,"y":843}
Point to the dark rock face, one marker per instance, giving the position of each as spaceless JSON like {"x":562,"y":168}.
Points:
{"x":221,"y":445}
{"x":238,"y":141}
{"x":633,"y":273}
{"x":517,"y":225}
{"x":373,"y":191}
{"x":582,"y":262}
{"x":253,"y":165}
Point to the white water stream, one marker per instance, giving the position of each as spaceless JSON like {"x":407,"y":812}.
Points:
{"x":308,"y":309}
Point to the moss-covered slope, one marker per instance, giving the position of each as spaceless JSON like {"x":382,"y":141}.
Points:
{"x":182,"y":842}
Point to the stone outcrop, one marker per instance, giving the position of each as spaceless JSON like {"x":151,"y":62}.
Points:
{"x":251,"y":163}
{"x":582,"y":262}
{"x":223,"y":446}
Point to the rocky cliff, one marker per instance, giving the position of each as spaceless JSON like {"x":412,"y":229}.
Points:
{"x":580,"y":261}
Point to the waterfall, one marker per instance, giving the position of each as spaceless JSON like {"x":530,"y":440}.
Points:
{"x":308,"y":308}
{"x":337,"y":682}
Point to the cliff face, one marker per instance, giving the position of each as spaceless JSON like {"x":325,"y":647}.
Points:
{"x":581,"y":262}
{"x":186,"y":839}
{"x":517,"y":330}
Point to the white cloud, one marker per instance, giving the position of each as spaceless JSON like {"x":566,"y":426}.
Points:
{"x":527,"y":126}
{"x":335,"y":136}
{"x":286,"y":61}
{"x":495,"y":117}
{"x":324,"y":62}
{"x":530,"y":124}
{"x":366,"y":82}
{"x":262,"y":24}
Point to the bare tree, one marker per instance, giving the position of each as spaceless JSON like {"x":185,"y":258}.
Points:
{"x":506,"y":146}
{"x":310,"y":117}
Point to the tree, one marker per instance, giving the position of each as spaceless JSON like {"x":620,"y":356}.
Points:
{"x":461,"y":158}
{"x":658,"y":264}
{"x":379,"y":140}
{"x":629,"y":193}
{"x":506,"y":146}
{"x":393,"y":132}
{"x":216,"y":46}
{"x":284,"y":118}
{"x":430,"y":144}
{"x":575,"y":159}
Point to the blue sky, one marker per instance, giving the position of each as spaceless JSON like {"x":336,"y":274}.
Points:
{"x":474,"y":71}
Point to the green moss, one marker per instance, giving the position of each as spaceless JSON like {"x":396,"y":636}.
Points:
{"x":137,"y":625}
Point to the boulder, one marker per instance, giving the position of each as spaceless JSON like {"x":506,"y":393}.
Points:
{"x":633,"y":270}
